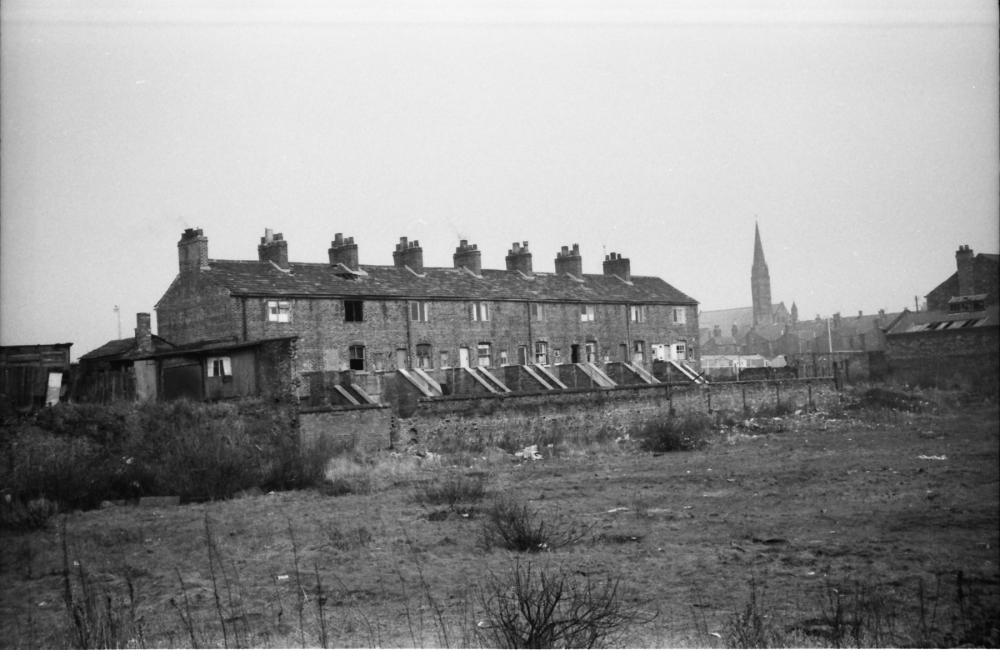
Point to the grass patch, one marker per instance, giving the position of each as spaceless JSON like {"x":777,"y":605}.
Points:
{"x":452,"y":489}
{"x":675,"y":433}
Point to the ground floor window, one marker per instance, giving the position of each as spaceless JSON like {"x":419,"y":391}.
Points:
{"x":484,"y":354}
{"x":424,"y":356}
{"x":590,"y":350}
{"x":541,"y":352}
{"x":356,"y":354}
{"x":219,"y":367}
{"x":638,"y":352}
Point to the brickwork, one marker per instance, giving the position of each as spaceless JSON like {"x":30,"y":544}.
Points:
{"x":945,"y":358}
{"x":528,"y":419}
{"x":345,"y":430}
{"x":196,"y":310}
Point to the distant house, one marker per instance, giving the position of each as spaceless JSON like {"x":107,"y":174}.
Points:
{"x":120,"y":369}
{"x":33,"y":375}
{"x":957,"y":340}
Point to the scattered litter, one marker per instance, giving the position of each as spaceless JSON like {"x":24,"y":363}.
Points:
{"x":283,"y":577}
{"x":941,"y":457}
{"x":617,"y":510}
{"x":810,"y":573}
{"x":716,"y":635}
{"x":529,"y":453}
{"x":42,"y":604}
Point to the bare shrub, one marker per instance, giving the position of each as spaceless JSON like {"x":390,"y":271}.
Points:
{"x":534,"y":608}
{"x":751,"y":627}
{"x":675,"y":433}
{"x":513,"y":525}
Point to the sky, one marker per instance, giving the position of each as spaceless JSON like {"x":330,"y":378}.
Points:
{"x":861,"y":136}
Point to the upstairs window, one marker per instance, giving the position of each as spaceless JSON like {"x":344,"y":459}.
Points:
{"x":587,"y":313}
{"x":637,"y":313}
{"x":419,"y":311}
{"x":356,"y":354}
{"x":479,"y":311}
{"x":484,"y":352}
{"x":279,"y":311}
{"x":680,"y":315}
{"x":537,"y":312}
{"x":354,"y":311}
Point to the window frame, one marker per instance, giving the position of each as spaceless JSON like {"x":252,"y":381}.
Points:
{"x":428,"y":357}
{"x":488,"y":347}
{"x":680,"y":315}
{"x":279,"y":311}
{"x":588,"y":314}
{"x":541,"y":351}
{"x":354,"y":311}
{"x":212,"y":364}
{"x":479,"y":311}
{"x":356,"y":357}
{"x":419,"y":311}
{"x":537,"y":312}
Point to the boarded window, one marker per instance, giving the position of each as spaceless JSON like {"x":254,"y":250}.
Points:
{"x":354,"y":311}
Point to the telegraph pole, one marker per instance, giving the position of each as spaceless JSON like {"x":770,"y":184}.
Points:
{"x":118,"y":313}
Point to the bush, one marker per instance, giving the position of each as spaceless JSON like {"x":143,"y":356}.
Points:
{"x":513,"y":525}
{"x":78,"y":455}
{"x":675,"y":433}
{"x":535,"y":608}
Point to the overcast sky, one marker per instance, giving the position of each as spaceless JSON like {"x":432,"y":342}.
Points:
{"x":862,"y":136}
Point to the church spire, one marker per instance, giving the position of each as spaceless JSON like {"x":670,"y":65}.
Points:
{"x":760,"y":283}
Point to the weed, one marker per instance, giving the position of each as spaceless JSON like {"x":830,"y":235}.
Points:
{"x":510,"y":524}
{"x":452,"y":489}
{"x":350,"y":539}
{"x":675,"y":433}
{"x":750,"y":628}
{"x":535,"y":608}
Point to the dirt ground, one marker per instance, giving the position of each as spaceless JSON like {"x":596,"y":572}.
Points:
{"x":893,"y":503}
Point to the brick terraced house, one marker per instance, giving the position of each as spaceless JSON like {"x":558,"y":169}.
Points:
{"x":372,"y":318}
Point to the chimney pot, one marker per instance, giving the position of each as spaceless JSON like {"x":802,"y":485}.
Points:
{"x":409,"y":254}
{"x":344,"y":251}
{"x":273,"y":248}
{"x":192,"y":250}
{"x":569,"y":261}
{"x":519,"y":258}
{"x":468,"y":256}
{"x":615,"y":264}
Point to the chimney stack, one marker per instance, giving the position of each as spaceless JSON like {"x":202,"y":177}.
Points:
{"x":569,"y":261}
{"x":192,"y":250}
{"x":273,"y":248}
{"x":343,"y":251}
{"x":966,"y":276}
{"x":615,"y":264}
{"x":408,"y":254}
{"x":143,"y":333}
{"x":468,"y":256}
{"x":717,"y":332}
{"x":519,"y":258}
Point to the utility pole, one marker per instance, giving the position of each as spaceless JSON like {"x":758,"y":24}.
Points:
{"x":118,"y":313}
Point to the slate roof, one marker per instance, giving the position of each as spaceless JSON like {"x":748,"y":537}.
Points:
{"x":313,"y":280}
{"x":125,"y":349}
{"x":724,"y":318}
{"x":915,"y":322}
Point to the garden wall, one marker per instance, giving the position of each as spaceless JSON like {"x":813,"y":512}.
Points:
{"x":365,"y":428}
{"x":511,"y":421}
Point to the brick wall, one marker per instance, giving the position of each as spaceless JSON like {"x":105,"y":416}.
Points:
{"x":962,"y":358}
{"x":520,"y":420}
{"x":195,"y":310}
{"x":364,"y":429}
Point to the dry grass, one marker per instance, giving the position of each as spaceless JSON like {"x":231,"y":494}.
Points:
{"x":797,"y":533}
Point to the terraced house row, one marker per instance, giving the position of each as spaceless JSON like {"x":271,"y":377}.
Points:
{"x":374,"y":318}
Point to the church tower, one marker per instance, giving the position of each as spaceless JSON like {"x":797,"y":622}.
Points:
{"x":760,"y":283}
